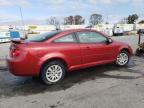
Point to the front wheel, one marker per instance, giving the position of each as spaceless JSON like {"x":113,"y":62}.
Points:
{"x":53,"y":72}
{"x":123,"y":58}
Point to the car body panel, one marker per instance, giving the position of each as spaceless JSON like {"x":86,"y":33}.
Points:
{"x":97,"y":52}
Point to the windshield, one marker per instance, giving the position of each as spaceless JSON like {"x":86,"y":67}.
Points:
{"x":43,"y":37}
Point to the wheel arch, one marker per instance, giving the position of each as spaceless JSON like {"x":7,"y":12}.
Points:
{"x":125,"y":49}
{"x":54,"y":59}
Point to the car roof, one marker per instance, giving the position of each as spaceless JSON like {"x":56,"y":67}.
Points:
{"x":69,"y":31}
{"x":75,"y":30}
{"x":78,"y":30}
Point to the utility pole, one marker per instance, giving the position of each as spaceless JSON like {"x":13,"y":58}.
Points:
{"x":22,"y":21}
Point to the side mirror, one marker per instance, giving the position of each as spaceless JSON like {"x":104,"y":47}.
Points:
{"x":109,"y":40}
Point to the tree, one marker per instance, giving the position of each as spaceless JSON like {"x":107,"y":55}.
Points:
{"x":69,"y":20}
{"x":141,"y":22}
{"x":77,"y":20}
{"x":95,"y":19}
{"x":53,"y":21}
{"x":132,"y":18}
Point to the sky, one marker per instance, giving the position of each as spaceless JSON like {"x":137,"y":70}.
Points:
{"x":112,"y":10}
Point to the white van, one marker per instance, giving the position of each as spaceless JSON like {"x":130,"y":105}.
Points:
{"x":118,"y":31}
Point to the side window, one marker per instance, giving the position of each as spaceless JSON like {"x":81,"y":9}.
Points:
{"x":65,"y":39}
{"x":91,"y":37}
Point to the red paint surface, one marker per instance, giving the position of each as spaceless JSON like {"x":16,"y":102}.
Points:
{"x":32,"y":55}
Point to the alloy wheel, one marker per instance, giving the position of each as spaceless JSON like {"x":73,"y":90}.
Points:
{"x":54,"y":73}
{"x":122,"y":59}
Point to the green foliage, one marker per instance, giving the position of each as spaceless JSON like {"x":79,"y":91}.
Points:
{"x":132,"y":18}
{"x":141,"y":22}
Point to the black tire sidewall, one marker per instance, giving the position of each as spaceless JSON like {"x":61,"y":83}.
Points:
{"x":46,"y":66}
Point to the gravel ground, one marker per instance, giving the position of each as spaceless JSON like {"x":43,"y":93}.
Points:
{"x":99,"y":87}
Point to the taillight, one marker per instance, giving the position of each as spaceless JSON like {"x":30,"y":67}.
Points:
{"x":14,"y":51}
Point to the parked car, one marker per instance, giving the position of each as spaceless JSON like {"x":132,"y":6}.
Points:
{"x":118,"y":31}
{"x":52,"y":54}
{"x":4,"y":36}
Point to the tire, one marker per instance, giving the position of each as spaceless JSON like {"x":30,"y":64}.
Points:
{"x":122,"y":59}
{"x":53,"y":72}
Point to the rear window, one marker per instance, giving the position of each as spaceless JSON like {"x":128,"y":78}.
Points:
{"x":43,"y":37}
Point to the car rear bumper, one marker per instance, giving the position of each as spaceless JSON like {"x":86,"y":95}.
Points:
{"x":21,"y":67}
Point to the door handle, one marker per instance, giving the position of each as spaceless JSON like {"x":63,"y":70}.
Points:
{"x":87,"y":47}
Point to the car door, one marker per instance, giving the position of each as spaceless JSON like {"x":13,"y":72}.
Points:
{"x":94,"y":47}
{"x":69,"y":47}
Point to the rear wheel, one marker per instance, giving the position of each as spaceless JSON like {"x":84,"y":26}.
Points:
{"x":53,"y":72}
{"x":123,"y":58}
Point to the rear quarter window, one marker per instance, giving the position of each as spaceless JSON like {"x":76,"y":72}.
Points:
{"x":43,"y":37}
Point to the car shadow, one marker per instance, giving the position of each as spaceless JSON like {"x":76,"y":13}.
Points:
{"x":16,"y":86}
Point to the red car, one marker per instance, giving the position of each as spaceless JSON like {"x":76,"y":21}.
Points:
{"x":52,"y":54}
